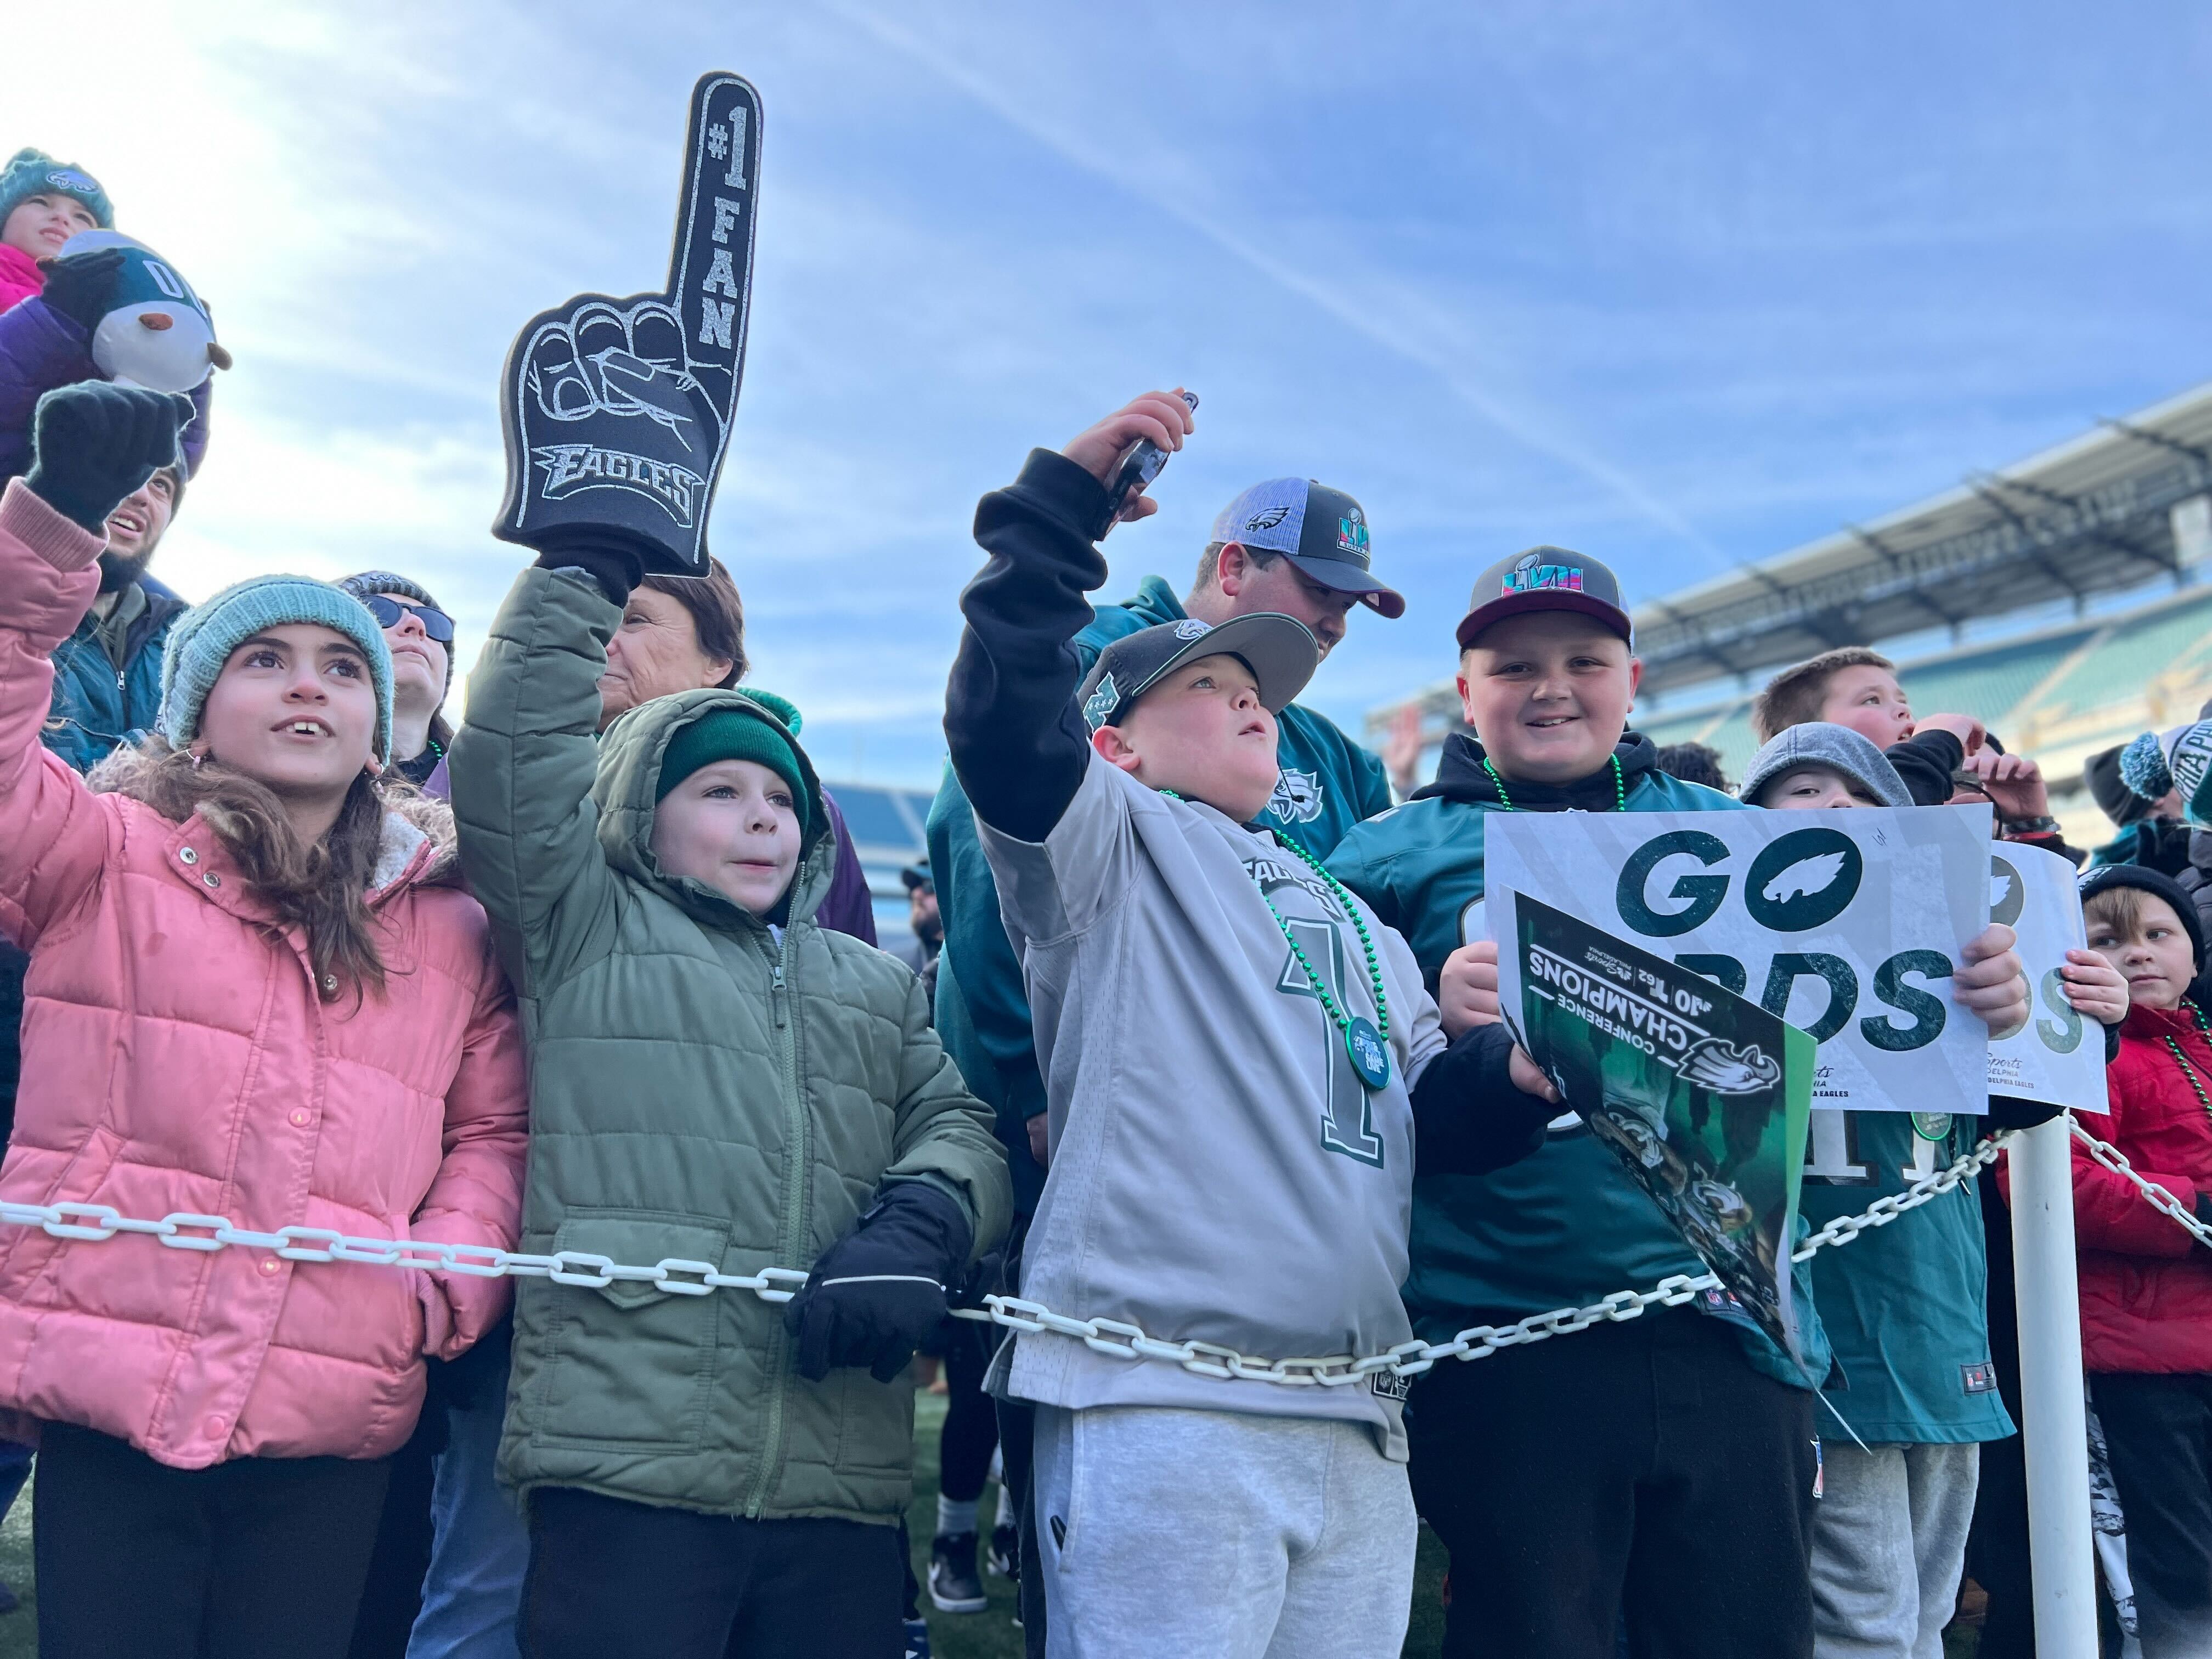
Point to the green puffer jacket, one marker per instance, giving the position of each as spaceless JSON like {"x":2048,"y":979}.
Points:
{"x":698,"y":1092}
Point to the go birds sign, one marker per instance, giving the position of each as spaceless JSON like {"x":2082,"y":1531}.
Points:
{"x":1848,"y":925}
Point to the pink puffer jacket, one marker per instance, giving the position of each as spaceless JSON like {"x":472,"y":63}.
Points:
{"x":177,"y":1058}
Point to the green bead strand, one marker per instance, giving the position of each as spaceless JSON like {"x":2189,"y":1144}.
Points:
{"x":1619,"y":786}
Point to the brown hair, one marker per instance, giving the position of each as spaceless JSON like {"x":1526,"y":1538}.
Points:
{"x":1795,"y":695}
{"x":321,"y":890}
{"x":1209,"y":563}
{"x":718,"y":615}
{"x":2118,"y":907}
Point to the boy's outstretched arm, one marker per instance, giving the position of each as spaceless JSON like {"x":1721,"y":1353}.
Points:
{"x":1016,"y":738}
{"x":1480,"y":1105}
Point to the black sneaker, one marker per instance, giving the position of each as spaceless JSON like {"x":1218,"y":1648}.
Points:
{"x":954,"y":1585}
{"x":917,"y":1639}
{"x":1006,"y":1553}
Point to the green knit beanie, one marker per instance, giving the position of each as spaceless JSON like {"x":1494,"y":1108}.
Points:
{"x":32,"y":171}
{"x":205,"y":635}
{"x":733,"y":734}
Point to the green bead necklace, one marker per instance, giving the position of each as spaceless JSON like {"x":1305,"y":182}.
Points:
{"x":2195,"y":1084}
{"x":1619,"y":786}
{"x":1367,"y":1044}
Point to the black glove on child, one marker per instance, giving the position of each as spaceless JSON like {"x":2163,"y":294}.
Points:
{"x":877,"y":1292}
{"x":93,"y":444}
{"x":83,"y":287}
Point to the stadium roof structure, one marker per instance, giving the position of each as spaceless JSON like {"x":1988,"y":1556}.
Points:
{"x":2094,"y":516}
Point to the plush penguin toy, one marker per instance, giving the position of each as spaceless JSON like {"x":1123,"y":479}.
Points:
{"x":156,"y":333}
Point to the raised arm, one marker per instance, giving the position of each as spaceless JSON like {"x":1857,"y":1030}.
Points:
{"x":92,"y":445}
{"x":524,"y":763}
{"x":1016,"y":738}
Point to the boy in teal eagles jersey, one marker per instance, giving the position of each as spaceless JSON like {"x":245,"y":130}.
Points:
{"x":1905,"y":1306}
{"x":1663,"y":1466}
{"x":1291,"y":546}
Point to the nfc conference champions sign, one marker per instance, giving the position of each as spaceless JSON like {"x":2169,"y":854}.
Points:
{"x":1848,"y":924}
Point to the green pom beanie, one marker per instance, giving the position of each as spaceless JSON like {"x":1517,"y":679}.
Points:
{"x":734,"y":734}
{"x":34,"y":172}
{"x":206,"y":635}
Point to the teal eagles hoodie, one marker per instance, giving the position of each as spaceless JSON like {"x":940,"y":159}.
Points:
{"x":1328,"y":784}
{"x":1565,"y":1226}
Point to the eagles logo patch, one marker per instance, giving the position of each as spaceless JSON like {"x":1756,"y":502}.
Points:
{"x":1297,"y":797}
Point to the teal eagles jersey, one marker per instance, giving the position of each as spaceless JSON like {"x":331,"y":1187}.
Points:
{"x":1905,"y":1306}
{"x":1565,"y":1226}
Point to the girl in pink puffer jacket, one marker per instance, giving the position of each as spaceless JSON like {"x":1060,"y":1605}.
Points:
{"x":255,"y":991}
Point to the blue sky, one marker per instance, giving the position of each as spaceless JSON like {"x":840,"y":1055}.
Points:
{"x":1678,"y":285}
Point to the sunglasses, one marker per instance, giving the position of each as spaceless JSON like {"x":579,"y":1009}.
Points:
{"x":435,"y":622}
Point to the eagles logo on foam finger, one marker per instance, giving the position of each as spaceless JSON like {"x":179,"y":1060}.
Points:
{"x":617,"y":412}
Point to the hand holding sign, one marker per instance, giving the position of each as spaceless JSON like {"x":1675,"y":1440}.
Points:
{"x":617,"y":412}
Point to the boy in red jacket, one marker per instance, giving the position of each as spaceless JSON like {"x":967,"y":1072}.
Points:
{"x":2146,"y":1284}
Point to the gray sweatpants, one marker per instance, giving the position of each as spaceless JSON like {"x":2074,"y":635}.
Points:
{"x":1175,"y":1532}
{"x":1889,"y":1542}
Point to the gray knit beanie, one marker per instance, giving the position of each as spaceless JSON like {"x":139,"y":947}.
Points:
{"x":363,"y":583}
{"x":206,"y":635}
{"x":1838,"y":747}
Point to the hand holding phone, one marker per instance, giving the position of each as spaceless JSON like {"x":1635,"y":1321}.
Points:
{"x":1126,"y":451}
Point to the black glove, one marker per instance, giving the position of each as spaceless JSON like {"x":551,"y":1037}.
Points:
{"x":83,"y":287}
{"x":876,"y":1293}
{"x":613,"y":562}
{"x":93,"y":443}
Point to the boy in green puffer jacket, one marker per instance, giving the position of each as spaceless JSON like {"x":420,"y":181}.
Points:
{"x":714,"y":1079}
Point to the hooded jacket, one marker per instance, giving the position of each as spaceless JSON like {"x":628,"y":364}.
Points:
{"x":702,"y":1090}
{"x":2146,"y":1284}
{"x":1565,"y":1226}
{"x":178,"y":1057}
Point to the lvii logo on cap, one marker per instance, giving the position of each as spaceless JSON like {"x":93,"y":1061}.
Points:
{"x":1352,"y":533}
{"x":1531,"y":573}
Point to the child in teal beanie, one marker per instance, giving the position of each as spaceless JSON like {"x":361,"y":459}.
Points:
{"x":43,"y":202}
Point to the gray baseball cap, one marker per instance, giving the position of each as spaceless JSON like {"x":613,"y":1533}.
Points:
{"x":1323,"y":532}
{"x":1838,"y":747}
{"x":1544,"y":579}
{"x":1281,"y":654}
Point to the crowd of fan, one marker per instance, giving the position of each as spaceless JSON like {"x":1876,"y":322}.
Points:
{"x":596,"y":974}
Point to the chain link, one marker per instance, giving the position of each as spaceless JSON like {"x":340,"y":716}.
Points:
{"x":2154,"y":1194}
{"x":96,"y":1222}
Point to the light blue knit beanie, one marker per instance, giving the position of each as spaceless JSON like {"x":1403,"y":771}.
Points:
{"x":206,"y":635}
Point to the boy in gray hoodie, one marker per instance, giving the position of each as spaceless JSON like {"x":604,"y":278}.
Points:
{"x":1239,"y":1061}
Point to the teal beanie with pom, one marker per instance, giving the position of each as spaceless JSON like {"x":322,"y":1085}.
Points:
{"x":205,"y":635}
{"x":734,"y":734}
{"x":32,"y":172}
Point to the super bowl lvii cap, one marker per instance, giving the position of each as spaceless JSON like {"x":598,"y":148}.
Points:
{"x":1281,"y":654}
{"x":1323,"y":532}
{"x":1544,"y":579}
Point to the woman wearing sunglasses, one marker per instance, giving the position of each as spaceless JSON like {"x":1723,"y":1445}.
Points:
{"x":421,"y":636}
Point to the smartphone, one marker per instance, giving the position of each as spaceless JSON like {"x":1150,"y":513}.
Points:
{"x":1141,"y":463}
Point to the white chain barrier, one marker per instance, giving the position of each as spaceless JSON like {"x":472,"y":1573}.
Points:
{"x":2154,"y":1194}
{"x":97,"y":1223}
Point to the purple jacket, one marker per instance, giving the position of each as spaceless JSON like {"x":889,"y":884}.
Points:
{"x":846,"y":908}
{"x":40,"y":349}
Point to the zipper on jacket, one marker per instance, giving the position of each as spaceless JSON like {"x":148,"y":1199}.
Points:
{"x":797,"y":1155}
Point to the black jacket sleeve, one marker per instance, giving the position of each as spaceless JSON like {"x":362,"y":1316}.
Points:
{"x":1926,"y":762}
{"x":1469,"y":1118}
{"x":1015,"y":736}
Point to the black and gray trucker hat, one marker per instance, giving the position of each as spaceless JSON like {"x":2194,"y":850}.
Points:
{"x":1281,"y":654}
{"x":1544,"y":579}
{"x":1322,"y":531}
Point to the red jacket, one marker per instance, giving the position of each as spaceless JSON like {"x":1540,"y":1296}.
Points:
{"x":20,"y":277}
{"x":2146,"y":1284}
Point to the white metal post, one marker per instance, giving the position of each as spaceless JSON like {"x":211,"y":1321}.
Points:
{"x":2055,"y":1429}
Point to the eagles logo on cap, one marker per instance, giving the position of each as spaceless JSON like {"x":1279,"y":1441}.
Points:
{"x":1190,"y":628}
{"x":1323,"y":532}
